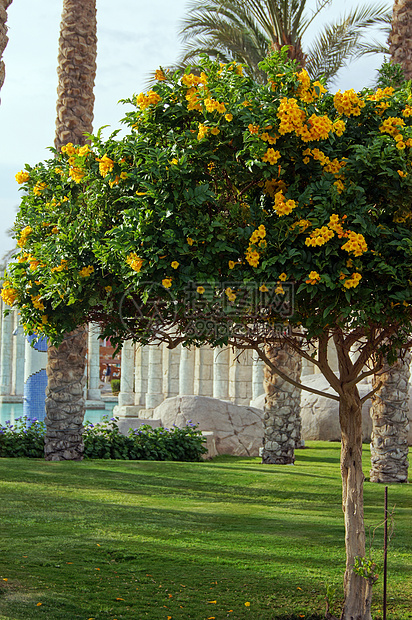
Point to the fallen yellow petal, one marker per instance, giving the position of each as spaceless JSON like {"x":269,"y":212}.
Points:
{"x":5,"y":579}
{"x":120,"y":599}
{"x":247,"y":604}
{"x":38,"y":604}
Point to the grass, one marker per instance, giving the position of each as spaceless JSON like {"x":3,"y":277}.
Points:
{"x":156,"y":540}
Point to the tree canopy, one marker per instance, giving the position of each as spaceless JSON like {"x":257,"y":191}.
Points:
{"x":226,"y":198}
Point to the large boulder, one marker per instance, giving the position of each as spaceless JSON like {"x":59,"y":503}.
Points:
{"x":237,"y":430}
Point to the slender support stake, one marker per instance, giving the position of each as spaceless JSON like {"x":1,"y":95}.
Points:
{"x":385,"y":552}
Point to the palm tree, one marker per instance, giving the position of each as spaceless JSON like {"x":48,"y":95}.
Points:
{"x":65,"y":404}
{"x":389,"y":411}
{"x":4,"y":5}
{"x":247,"y":30}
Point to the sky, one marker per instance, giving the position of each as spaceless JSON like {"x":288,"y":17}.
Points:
{"x":135,"y":37}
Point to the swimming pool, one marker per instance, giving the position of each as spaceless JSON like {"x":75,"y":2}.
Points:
{"x":11,"y":411}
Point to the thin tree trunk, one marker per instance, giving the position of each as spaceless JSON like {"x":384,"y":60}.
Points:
{"x":65,"y":398}
{"x":400,"y":38}
{"x":390,"y":423}
{"x":357,"y":589}
{"x":281,"y":421}
{"x":4,"y":5}
{"x":65,"y":405}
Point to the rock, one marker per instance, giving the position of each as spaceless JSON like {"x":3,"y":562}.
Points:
{"x":237,"y":430}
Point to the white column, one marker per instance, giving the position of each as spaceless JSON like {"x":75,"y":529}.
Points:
{"x":186,"y":371}
{"x":203,"y":380}
{"x":257,"y":376}
{"x":140,"y":375}
{"x":240,"y":377}
{"x":221,"y":373}
{"x":6,"y":351}
{"x":154,"y":394}
{"x":17,"y":377}
{"x":126,"y":394}
{"x":93,"y":363}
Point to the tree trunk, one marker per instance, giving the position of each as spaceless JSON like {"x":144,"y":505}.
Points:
{"x":357,"y":589}
{"x":76,"y":71}
{"x":400,"y":38}
{"x":65,"y":398}
{"x":390,"y":423}
{"x":4,"y":4}
{"x":65,"y":406}
{"x":281,"y":421}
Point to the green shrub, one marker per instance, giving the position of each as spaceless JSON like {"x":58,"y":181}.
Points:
{"x":104,"y":441}
{"x":115,"y":384}
{"x":23,"y":438}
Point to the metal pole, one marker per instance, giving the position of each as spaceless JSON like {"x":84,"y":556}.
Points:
{"x":385,"y":552}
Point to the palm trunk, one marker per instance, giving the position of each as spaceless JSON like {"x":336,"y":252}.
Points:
{"x":357,"y":589}
{"x":76,"y":71}
{"x":400,"y":38}
{"x":65,"y":405}
{"x":389,"y":413}
{"x":4,"y":5}
{"x":281,"y":421}
{"x":65,"y":398}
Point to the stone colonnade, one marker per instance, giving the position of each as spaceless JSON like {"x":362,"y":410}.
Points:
{"x":152,"y":373}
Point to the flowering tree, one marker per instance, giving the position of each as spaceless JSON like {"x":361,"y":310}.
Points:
{"x":236,"y":213}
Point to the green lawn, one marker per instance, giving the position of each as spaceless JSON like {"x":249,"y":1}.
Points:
{"x":155,"y":540}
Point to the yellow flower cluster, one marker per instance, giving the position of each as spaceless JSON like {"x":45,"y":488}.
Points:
{"x":336,"y":225}
{"x":27,"y":230}
{"x":159,"y":75}
{"x":194,"y":100}
{"x":190,"y":80}
{"x":202,"y":131}
{"x":303,"y":225}
{"x":313,"y":278}
{"x":391,"y":125}
{"x":76,"y":174}
{"x":83,"y":151}
{"x":319,"y":128}
{"x":63,"y":265}
{"x":319,"y":236}
{"x":291,"y":116}
{"x":38,"y":188}
{"x":266,"y":137}
{"x":143,"y":101}
{"x":230,"y":294}
{"x":167,"y":282}
{"x":339,"y":127}
{"x":353,"y":281}
{"x":85,"y":272}
{"x":134,"y":261}
{"x":22,"y":177}
{"x":271,"y":156}
{"x":253,"y":129}
{"x":348,"y":103}
{"x":256,"y":238}
{"x":329,"y":165}
{"x":407,"y":111}
{"x":283,"y":206}
{"x":68,"y":149}
{"x":37,"y":303}
{"x":307,"y":93}
{"x":211,"y":105}
{"x":105,"y":165}
{"x":8,"y":293}
{"x":274,"y":185}
{"x":356,"y":244}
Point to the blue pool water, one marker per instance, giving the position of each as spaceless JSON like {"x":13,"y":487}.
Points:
{"x":11,"y":411}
